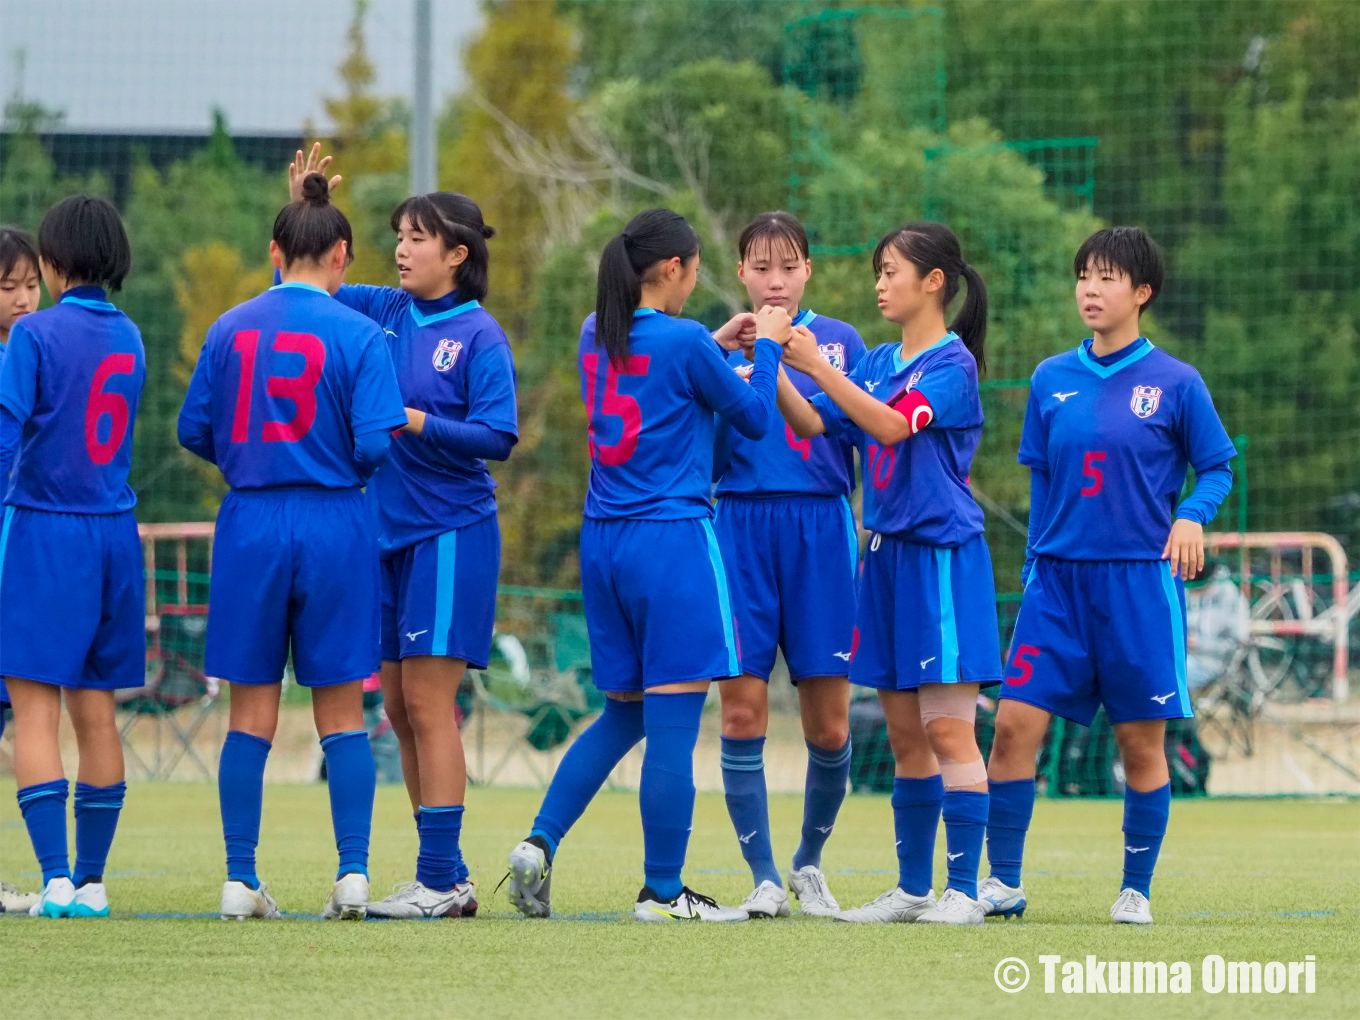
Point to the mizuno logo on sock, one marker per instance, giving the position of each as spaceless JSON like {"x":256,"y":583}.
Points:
{"x":823,"y":828}
{"x":1136,"y":849}
{"x":747,"y":838}
{"x":1162,"y":699}
{"x":411,"y":637}
{"x":954,"y":857}
{"x":1062,"y":397}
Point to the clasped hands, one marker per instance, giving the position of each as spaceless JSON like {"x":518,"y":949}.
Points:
{"x":772,"y":322}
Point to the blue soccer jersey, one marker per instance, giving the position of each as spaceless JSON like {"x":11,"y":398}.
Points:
{"x":1115,"y":440}
{"x":73,"y":377}
{"x":651,"y":423}
{"x":283,"y":385}
{"x":918,"y":490}
{"x":781,"y":463}
{"x":453,"y":361}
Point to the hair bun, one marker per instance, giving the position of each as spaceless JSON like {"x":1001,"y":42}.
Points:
{"x":488,"y":232}
{"x":316,"y":190}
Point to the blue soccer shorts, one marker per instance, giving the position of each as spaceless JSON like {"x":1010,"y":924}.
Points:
{"x":72,"y":599}
{"x":926,"y":614}
{"x":791,"y":567}
{"x":297,"y":569}
{"x":439,"y":595}
{"x":1104,"y":632}
{"x":657,"y":605}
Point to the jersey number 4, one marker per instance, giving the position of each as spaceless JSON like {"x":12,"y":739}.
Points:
{"x":614,"y":405}
{"x":113,"y":405}
{"x":300,"y":389}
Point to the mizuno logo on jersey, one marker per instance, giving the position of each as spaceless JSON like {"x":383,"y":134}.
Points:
{"x":833,"y":355}
{"x":1062,"y":397}
{"x":1145,"y":400}
{"x":1162,"y":699}
{"x":446,"y":354}
{"x":871,"y":384}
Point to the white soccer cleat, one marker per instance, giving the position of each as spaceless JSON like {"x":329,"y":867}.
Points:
{"x":954,"y":907}
{"x":91,"y":900}
{"x":240,"y":901}
{"x":1001,"y":900}
{"x":412,"y":901}
{"x":56,"y":900}
{"x":688,"y":906}
{"x":530,"y":880}
{"x":1132,"y":907}
{"x":348,"y":900}
{"x":12,"y":901}
{"x":896,"y":906}
{"x":814,"y":897}
{"x":767,"y":900}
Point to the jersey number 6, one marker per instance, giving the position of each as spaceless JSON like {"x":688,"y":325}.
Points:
{"x":615,"y":405}
{"x":114,"y":405}
{"x":300,"y":389}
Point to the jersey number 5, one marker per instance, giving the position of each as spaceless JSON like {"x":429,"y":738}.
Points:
{"x":1095,"y":474}
{"x":114,"y":405}
{"x":300,"y":389}
{"x":614,"y":405}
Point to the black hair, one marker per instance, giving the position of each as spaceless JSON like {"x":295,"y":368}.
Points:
{"x":652,"y":236}
{"x":1128,"y":249}
{"x":16,"y":246}
{"x":930,"y":246}
{"x":456,"y":219}
{"x":83,"y":239}
{"x":776,"y":229}
{"x":311,"y":226}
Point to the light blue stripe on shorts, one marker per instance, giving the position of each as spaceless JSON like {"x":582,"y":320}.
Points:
{"x":949,"y":631}
{"x":1173,"y":604}
{"x":724,"y":599}
{"x":445,"y":576}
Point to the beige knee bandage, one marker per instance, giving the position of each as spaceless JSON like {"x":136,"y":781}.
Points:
{"x":953,"y":701}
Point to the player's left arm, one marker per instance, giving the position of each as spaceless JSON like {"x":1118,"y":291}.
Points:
{"x":1207,"y":447}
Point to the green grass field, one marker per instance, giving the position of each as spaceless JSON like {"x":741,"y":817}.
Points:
{"x":1248,"y":880}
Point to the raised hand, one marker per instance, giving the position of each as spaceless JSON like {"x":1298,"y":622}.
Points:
{"x":774,"y":323}
{"x":801,"y":351}
{"x":737,"y":332}
{"x":315,"y":164}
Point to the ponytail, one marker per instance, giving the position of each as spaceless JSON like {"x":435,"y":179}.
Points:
{"x":931,"y":246}
{"x":652,"y":236}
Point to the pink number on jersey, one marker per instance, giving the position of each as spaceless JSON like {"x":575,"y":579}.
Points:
{"x":882,"y":460}
{"x":803,"y":446}
{"x":244,"y":344}
{"x":300,"y":389}
{"x":616,"y":405}
{"x":115,"y":405}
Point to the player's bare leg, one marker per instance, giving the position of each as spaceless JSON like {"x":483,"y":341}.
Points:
{"x":394,"y":707}
{"x":37,"y":720}
{"x":1147,"y":802}
{"x":824,"y":707}
{"x":1020,"y":729}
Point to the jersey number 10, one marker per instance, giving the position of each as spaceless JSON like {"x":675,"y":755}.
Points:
{"x":300,"y":389}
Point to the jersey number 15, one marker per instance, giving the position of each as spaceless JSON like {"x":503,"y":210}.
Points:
{"x":300,"y":389}
{"x":614,"y":404}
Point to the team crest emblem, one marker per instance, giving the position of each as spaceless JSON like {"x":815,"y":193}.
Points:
{"x":446,"y":355}
{"x":834,"y":354}
{"x":1145,"y":400}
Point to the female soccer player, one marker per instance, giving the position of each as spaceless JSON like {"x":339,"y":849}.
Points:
{"x":788,"y":539}
{"x":19,"y":295}
{"x":656,"y":598}
{"x":1108,"y":433}
{"x":71,"y":597}
{"x":438,"y":531}
{"x":926,"y":619}
{"x":294,"y":398}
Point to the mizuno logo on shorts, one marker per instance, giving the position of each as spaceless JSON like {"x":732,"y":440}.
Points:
{"x":411,"y":637}
{"x":1162,"y":699}
{"x":842,"y":655}
{"x":925,"y":662}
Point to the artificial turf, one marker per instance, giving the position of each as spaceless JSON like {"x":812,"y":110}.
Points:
{"x":1246,"y":879}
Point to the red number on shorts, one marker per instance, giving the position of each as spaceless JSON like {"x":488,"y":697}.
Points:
{"x":300,"y":389}
{"x":882,"y":460}
{"x":1089,"y":469}
{"x":1022,"y":662}
{"x":803,"y":446}
{"x":615,"y":405}
{"x":114,"y":405}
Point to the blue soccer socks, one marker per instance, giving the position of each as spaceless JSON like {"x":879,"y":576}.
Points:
{"x":1009,"y":812}
{"x":965,"y":824}
{"x":240,"y":789}
{"x":439,"y":865}
{"x":44,"y":809}
{"x":97,"y":811}
{"x":352,"y":778}
{"x":916,"y":817}
{"x":585,"y":767}
{"x":743,"y":772}
{"x":667,"y":788}
{"x":1145,"y":816}
{"x":828,"y":772}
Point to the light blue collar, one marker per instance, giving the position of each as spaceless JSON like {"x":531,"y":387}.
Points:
{"x":91,"y":303}
{"x":299,"y":285}
{"x":1105,"y":371}
{"x":901,"y":366}
{"x":804,"y":317}
{"x":425,"y":320}
{"x":642,"y":313}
